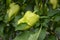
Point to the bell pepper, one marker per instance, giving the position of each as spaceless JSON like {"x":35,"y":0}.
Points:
{"x":54,"y":3}
{"x":13,"y":10}
{"x":30,"y":18}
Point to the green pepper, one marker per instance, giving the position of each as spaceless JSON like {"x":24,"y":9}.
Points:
{"x":54,"y":3}
{"x":13,"y":10}
{"x":30,"y":18}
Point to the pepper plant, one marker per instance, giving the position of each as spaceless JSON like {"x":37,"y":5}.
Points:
{"x":29,"y":19}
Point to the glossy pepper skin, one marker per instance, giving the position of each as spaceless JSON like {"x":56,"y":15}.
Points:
{"x":54,"y":3}
{"x":30,"y":18}
{"x":13,"y":10}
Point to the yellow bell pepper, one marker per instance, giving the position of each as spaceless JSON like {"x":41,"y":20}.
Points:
{"x":54,"y":3}
{"x":30,"y":18}
{"x":12,"y":11}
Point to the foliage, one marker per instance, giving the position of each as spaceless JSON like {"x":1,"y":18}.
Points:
{"x":39,"y":19}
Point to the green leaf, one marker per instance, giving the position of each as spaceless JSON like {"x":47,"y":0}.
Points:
{"x":8,"y":2}
{"x":1,"y":29}
{"x":57,"y":18}
{"x":1,"y":18}
{"x":57,"y":30}
{"x":29,"y":35}
{"x":35,"y":36}
{"x":21,"y":26}
{"x":52,"y":13}
{"x":42,"y":34}
{"x":23,"y":36}
{"x":52,"y":37}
